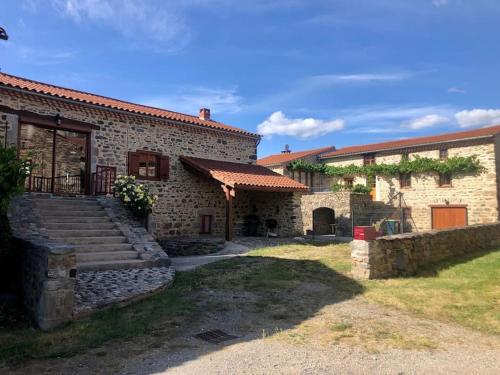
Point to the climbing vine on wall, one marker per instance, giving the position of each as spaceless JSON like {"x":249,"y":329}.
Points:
{"x":453,"y":165}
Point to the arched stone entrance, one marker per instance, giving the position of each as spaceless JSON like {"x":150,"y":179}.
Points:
{"x":323,"y":218}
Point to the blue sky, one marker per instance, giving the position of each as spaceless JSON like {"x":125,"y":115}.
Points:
{"x":304,"y":73}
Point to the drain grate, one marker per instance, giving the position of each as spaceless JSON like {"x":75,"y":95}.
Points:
{"x":215,"y":337}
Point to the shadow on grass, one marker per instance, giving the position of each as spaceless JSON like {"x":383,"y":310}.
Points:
{"x":433,"y":270}
{"x":270,"y":292}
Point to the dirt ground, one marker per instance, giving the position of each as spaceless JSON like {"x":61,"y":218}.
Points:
{"x":352,"y":337}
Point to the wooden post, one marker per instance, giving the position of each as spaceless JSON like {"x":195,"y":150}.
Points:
{"x":230,"y":194}
{"x":401,"y":214}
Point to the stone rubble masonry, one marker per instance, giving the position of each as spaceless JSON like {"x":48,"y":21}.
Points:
{"x":49,"y":269}
{"x":184,"y":194}
{"x":135,"y":232}
{"x":343,"y":203}
{"x":478,"y":192}
{"x":404,"y":254}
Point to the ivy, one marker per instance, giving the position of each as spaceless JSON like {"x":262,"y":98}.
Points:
{"x":418,"y":165}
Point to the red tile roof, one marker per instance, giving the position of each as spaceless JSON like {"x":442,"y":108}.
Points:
{"x":286,"y":158}
{"x":243,"y":176}
{"x":98,"y":100}
{"x":413,"y":142}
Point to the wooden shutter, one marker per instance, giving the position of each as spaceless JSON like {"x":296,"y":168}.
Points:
{"x":164,"y":167}
{"x":133,"y":164}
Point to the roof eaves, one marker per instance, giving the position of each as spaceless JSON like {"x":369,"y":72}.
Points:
{"x":327,"y":156}
{"x":234,"y":131}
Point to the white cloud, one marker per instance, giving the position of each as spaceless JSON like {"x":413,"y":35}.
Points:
{"x":329,"y":79}
{"x":279,"y":124}
{"x":439,"y":3}
{"x":478,"y":117}
{"x":138,"y":20}
{"x":426,"y":122}
{"x":191,"y":99}
{"x":455,"y":90}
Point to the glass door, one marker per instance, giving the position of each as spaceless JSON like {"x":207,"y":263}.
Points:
{"x":37,"y":144}
{"x":70,"y":162}
{"x":59,"y":158}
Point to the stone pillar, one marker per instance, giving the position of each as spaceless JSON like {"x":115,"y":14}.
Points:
{"x":49,"y":283}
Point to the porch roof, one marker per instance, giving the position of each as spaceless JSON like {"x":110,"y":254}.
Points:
{"x":243,"y":176}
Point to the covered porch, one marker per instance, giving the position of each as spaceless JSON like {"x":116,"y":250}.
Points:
{"x":258,"y":201}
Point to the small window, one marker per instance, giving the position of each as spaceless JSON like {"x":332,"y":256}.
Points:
{"x":368,"y":159}
{"x":445,"y":179}
{"x":443,"y":154}
{"x":405,"y":180}
{"x":405,"y":156}
{"x":348,"y":182}
{"x":146,"y":165}
{"x":206,"y":224}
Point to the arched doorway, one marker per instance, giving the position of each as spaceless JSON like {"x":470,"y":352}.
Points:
{"x":323,"y":218}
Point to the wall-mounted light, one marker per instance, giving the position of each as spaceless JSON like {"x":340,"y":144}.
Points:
{"x":58,"y":119}
{"x":3,"y":34}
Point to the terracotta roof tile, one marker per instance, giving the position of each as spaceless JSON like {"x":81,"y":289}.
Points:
{"x":243,"y":176}
{"x":286,"y":158}
{"x":85,"y":97}
{"x":413,"y":142}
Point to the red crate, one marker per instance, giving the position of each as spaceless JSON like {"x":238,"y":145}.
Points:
{"x":365,"y":233}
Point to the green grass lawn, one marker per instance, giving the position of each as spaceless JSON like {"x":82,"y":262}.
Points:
{"x":288,"y":283}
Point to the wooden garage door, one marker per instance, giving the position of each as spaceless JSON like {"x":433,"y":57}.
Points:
{"x":448,"y":217}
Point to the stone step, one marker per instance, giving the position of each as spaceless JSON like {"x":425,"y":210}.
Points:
{"x":92,"y":240}
{"x":65,"y":233}
{"x":95,"y":248}
{"x":78,"y":213}
{"x":60,"y":209}
{"x":76,"y":219}
{"x":80,"y":226}
{"x":67,"y":202}
{"x":113,"y":265}
{"x":106,"y":256}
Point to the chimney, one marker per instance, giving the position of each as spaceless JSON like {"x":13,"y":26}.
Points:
{"x":286,"y":150}
{"x":204,"y":114}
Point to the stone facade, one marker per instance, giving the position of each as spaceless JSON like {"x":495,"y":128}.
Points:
{"x":404,"y":254}
{"x":343,"y":203}
{"x":184,"y":196}
{"x":478,"y":192}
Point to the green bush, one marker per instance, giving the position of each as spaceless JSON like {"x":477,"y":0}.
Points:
{"x":361,"y":189}
{"x":13,"y":173}
{"x":135,"y":196}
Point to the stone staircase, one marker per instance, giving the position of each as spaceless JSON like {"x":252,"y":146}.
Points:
{"x":83,"y":223}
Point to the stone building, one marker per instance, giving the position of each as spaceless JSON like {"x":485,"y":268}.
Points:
{"x":203,"y":171}
{"x":430,"y":200}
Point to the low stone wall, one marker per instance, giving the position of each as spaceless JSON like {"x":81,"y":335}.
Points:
{"x":188,"y":246}
{"x":344,"y":203}
{"x":49,"y":269}
{"x":404,"y":254}
{"x":49,"y":273}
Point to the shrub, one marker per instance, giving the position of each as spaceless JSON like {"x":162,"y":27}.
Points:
{"x":135,"y":196}
{"x":13,"y":173}
{"x":361,"y":189}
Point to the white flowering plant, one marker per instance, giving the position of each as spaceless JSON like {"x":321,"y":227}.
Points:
{"x":135,"y":196}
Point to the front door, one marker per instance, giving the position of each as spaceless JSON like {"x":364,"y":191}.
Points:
{"x":60,"y":158}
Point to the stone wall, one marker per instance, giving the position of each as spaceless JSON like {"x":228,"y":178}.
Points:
{"x":184,"y":194}
{"x":283,"y":207}
{"x":479,"y":193}
{"x":404,"y":254}
{"x":49,"y":269}
{"x":343,"y":203}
